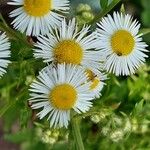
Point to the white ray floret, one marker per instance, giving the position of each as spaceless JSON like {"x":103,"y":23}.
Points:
{"x":67,"y":44}
{"x":58,"y":90}
{"x":36,"y":17}
{"x":119,"y":39}
{"x":4,"y":53}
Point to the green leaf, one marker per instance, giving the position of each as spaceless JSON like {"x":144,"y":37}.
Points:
{"x":138,"y":107}
{"x":19,"y":137}
{"x":103,"y":3}
{"x":15,"y":35}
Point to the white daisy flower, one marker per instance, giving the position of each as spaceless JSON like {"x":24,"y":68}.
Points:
{"x":58,"y":90}
{"x":37,"y":16}
{"x":96,"y":82}
{"x":119,"y":39}
{"x":4,"y":53}
{"x":67,"y":44}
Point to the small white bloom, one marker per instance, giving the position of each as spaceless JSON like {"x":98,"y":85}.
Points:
{"x":58,"y":90}
{"x":105,"y":131}
{"x":96,"y":82}
{"x":119,"y":39}
{"x":68,"y":45}
{"x":117,"y":135}
{"x":38,"y":16}
{"x":127,"y":126}
{"x":4,"y":53}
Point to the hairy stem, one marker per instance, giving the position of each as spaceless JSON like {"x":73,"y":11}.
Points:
{"x":14,"y":35}
{"x":76,"y":133}
{"x":105,"y":11}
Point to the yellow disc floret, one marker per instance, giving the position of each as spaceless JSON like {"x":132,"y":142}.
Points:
{"x":63,"y":96}
{"x":94,"y":83}
{"x":68,"y":51}
{"x":122,"y":42}
{"x":37,"y":8}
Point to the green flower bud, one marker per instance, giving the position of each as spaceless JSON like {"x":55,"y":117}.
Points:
{"x":95,"y":118}
{"x":83,"y":7}
{"x":88,"y":16}
{"x":117,"y":135}
{"x":134,"y":125}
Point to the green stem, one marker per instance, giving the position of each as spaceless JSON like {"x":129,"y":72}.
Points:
{"x":76,"y":133}
{"x":145,"y":31}
{"x":105,"y":11}
{"x":12,"y":103}
{"x":3,"y":20}
{"x":14,"y":35}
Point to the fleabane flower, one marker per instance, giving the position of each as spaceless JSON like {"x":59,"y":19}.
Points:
{"x":4,"y":53}
{"x":38,"y":16}
{"x":68,"y":45}
{"x":59,"y":89}
{"x":119,"y":39}
{"x":96,"y":82}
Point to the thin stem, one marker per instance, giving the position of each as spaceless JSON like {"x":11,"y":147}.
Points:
{"x":76,"y":133}
{"x":12,"y":103}
{"x":145,"y":31}
{"x":3,"y":20}
{"x":14,"y":35}
{"x":105,"y":11}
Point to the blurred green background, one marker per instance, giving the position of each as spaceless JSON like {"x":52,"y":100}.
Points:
{"x":120,"y":119}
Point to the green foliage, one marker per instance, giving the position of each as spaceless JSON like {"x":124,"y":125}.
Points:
{"x":120,"y":119}
{"x":103,"y":3}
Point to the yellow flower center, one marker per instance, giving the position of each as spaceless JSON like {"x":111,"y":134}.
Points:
{"x":63,"y":96}
{"x":37,"y":8}
{"x":68,"y":51}
{"x":94,"y":83}
{"x":92,"y":77}
{"x":122,"y":42}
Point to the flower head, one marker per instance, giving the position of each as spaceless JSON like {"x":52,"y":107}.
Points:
{"x":119,"y":39}
{"x":68,"y":45}
{"x":96,"y":82}
{"x":4,"y":53}
{"x":58,"y":90}
{"x":37,"y":16}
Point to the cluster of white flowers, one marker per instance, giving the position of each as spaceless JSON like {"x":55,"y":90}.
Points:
{"x":76,"y":58}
